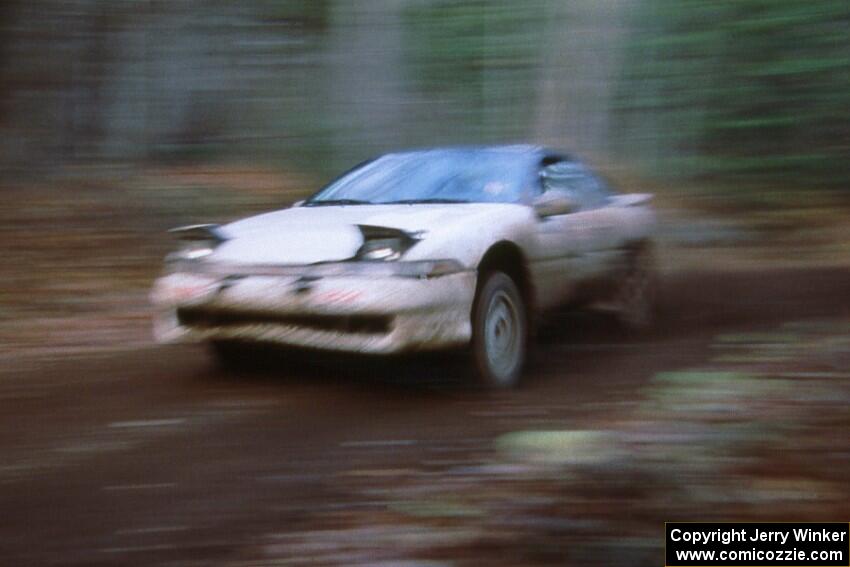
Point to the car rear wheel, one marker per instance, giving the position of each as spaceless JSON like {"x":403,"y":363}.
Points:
{"x":636,"y":294}
{"x":499,"y":332}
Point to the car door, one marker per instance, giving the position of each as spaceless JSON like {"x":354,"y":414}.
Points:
{"x":598,"y":223}
{"x":572,"y":247}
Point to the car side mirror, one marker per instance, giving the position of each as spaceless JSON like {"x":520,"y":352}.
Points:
{"x":298,"y":203}
{"x":554,"y":202}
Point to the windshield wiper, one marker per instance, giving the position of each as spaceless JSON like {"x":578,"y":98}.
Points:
{"x":331,"y":202}
{"x":424,"y":201}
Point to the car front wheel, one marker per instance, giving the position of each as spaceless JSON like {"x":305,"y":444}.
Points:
{"x":499,"y":332}
{"x":636,"y":294}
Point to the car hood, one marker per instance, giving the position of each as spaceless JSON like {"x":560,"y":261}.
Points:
{"x":305,"y":235}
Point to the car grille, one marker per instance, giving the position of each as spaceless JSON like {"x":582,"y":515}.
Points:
{"x":207,"y":318}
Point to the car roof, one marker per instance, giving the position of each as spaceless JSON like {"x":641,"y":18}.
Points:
{"x":529,"y":151}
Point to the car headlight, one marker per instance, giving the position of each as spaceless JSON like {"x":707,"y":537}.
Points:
{"x":385,"y":250}
{"x":377,"y":268}
{"x":190,"y":251}
{"x":384,"y":244}
{"x":196,"y":242}
{"x":382,"y":250}
{"x":428,"y":268}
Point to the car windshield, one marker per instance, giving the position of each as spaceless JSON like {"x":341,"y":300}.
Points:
{"x":430,"y":177}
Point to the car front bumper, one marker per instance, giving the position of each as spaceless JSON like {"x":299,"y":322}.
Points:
{"x":378,"y":315}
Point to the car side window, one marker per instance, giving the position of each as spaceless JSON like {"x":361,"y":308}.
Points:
{"x":576,"y":179}
{"x":595,"y":190}
{"x":565,"y":176}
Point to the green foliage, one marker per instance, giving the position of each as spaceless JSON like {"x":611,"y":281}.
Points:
{"x":752,"y":90}
{"x":479,"y":56}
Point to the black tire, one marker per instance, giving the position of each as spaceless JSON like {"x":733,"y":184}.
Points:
{"x":499,"y":332}
{"x":636,"y":295}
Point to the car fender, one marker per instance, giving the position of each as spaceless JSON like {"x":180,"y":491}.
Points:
{"x":468,"y":241}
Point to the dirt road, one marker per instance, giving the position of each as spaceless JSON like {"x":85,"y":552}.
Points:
{"x":152,"y":457}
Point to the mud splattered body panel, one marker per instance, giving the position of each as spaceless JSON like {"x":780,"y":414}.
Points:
{"x":356,"y":314}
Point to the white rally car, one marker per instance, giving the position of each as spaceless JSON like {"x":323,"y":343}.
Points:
{"x":417,"y":250}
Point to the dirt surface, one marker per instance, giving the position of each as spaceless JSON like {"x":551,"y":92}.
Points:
{"x":150,"y":456}
{"x":115,"y":451}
